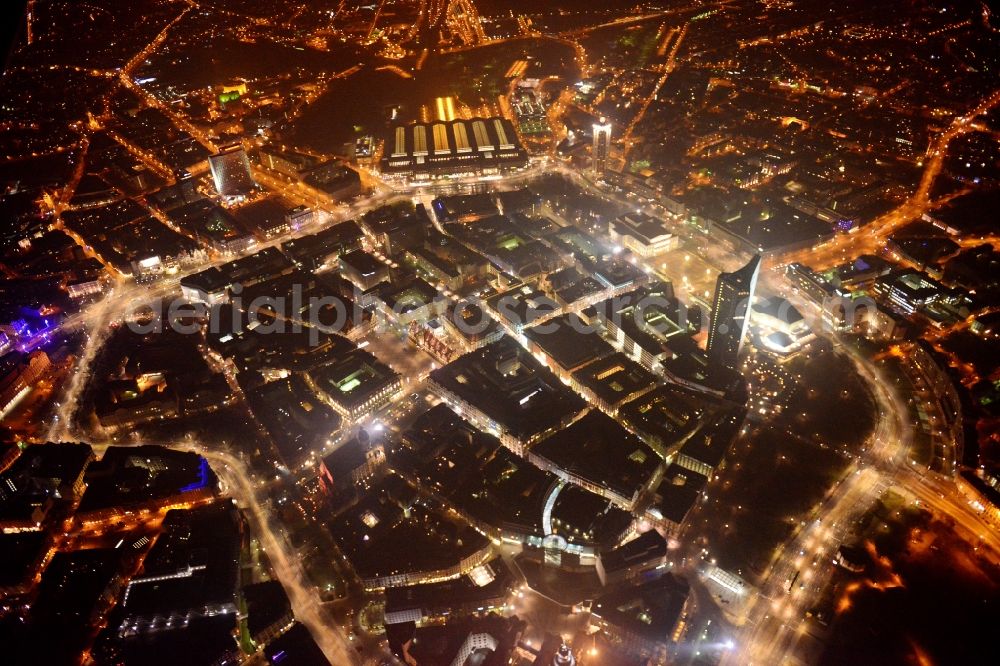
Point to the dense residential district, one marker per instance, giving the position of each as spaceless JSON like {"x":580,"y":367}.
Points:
{"x":475,"y":333}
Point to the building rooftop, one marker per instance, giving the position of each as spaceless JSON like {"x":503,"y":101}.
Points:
{"x":615,"y":378}
{"x":615,"y":273}
{"x":677,"y":493}
{"x":641,"y":549}
{"x":458,"y":145}
{"x":354,"y":378}
{"x":393,"y":532}
{"x":522,"y":305}
{"x":464,"y":207}
{"x":511,"y":387}
{"x":298,"y":421}
{"x":642,"y":227}
{"x":778,"y":308}
{"x":310,"y":251}
{"x":262,"y":217}
{"x":568,"y":341}
{"x":514,"y":201}
{"x":454,"y":593}
{"x":599,"y":451}
{"x":712,"y":441}
{"x":581,"y":516}
{"x":441,"y":644}
{"x":250,"y":346}
{"x":473,"y":471}
{"x":211,"y":638}
{"x":193,"y":565}
{"x":71,"y":589}
{"x":665,"y":415}
{"x":409,"y":296}
{"x":40,"y":473}
{"x":18,"y":552}
{"x":210,"y":281}
{"x":263,"y":265}
{"x":345,"y":459}
{"x":267,"y":603}
{"x":397,"y":218}
{"x":650,"y":609}
{"x":473,"y":323}
{"x":365,"y":264}
{"x":295,"y":647}
{"x":127,"y":475}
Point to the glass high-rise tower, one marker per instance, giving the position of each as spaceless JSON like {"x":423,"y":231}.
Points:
{"x":601,"y":147}
{"x":730,"y":314}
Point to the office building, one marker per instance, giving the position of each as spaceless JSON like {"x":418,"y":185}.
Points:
{"x":642,"y":234}
{"x":230,"y":169}
{"x":599,"y":455}
{"x":356,"y":384}
{"x":730,"y":308}
{"x":363,"y":269}
{"x":351,"y":464}
{"x":643,"y":618}
{"x":633,"y":559}
{"x":601,"y":147}
{"x":504,"y":390}
{"x":18,"y":374}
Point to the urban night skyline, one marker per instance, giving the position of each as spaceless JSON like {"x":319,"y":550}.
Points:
{"x":496,"y":332}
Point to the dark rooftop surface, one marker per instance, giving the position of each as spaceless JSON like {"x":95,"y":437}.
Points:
{"x":17,"y":553}
{"x":453,"y":593}
{"x":255,"y":347}
{"x":565,"y":340}
{"x":778,"y":308}
{"x":307,"y":250}
{"x":463,"y":206}
{"x":615,"y":377}
{"x":202,"y":641}
{"x":640,"y":549}
{"x":198,"y":551}
{"x":345,"y":459}
{"x":510,"y":386}
{"x":389,"y":219}
{"x":131,"y":474}
{"x":362,"y":262}
{"x":678,"y":492}
{"x":777,"y":227}
{"x":70,"y":590}
{"x":299,"y":422}
{"x":37,"y":474}
{"x":441,"y":644}
{"x":266,"y":603}
{"x":710,"y":444}
{"x":580,"y":515}
{"x":353,"y":378}
{"x":473,"y":471}
{"x":522,"y":305}
{"x":390,"y":531}
{"x":665,"y":415}
{"x":295,"y":647}
{"x":602,"y":452}
{"x":650,"y":609}
{"x":640,"y":225}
